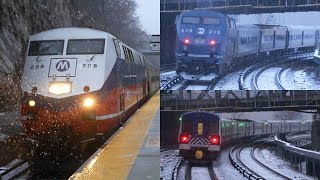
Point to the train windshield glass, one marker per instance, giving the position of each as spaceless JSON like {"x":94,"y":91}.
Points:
{"x":85,"y":46}
{"x":211,"y":21}
{"x":190,"y":126}
{"x":191,"y":20}
{"x":41,"y":48}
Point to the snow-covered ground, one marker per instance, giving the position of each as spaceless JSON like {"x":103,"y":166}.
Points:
{"x":229,"y":82}
{"x":199,"y":173}
{"x":224,"y":169}
{"x":269,"y":157}
{"x":267,"y":80}
{"x":168,"y":160}
{"x":292,"y":78}
{"x":303,"y":79}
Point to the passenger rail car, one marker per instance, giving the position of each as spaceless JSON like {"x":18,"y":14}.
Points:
{"x":209,"y":41}
{"x":82,"y":83}
{"x":202,"y":134}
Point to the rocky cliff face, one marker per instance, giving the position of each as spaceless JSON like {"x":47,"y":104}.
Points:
{"x":19,"y":19}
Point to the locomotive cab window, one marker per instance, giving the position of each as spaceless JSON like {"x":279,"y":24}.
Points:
{"x":191,"y":20}
{"x":42,"y":48}
{"x":85,"y":46}
{"x":211,"y":21}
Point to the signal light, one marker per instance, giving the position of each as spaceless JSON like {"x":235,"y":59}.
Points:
{"x":214,"y":139}
{"x":186,"y":41}
{"x":212,"y":42}
{"x":184,"y":138}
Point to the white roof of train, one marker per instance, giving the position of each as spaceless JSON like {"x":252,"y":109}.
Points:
{"x":71,"y":33}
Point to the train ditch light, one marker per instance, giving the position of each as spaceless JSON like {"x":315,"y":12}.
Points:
{"x":32,"y":103}
{"x":212,"y":42}
{"x":198,"y":154}
{"x":88,"y":102}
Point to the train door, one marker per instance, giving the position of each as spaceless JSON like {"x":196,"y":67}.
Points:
{"x":274,"y":39}
{"x":253,"y":129}
{"x":260,"y":41}
{"x":302,"y":38}
{"x":121,"y":103}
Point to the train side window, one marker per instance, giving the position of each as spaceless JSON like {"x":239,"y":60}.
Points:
{"x":117,"y":46}
{"x":125,"y":50}
{"x":130,"y":55}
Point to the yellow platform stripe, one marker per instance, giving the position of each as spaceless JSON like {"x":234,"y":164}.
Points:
{"x":115,"y":161}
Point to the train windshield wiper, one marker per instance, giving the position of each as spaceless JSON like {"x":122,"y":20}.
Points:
{"x":92,"y":57}
{"x":42,"y":50}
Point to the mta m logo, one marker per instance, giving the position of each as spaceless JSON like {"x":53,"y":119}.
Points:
{"x":63,"y":65}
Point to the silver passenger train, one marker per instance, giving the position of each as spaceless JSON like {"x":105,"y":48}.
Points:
{"x":81,"y":83}
{"x":202,"y":134}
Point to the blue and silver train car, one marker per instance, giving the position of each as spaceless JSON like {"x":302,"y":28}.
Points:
{"x":209,"y":41}
{"x":205,"y":40}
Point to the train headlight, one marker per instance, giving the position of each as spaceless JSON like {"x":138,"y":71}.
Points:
{"x":88,"y":102}
{"x":32,"y":103}
{"x":212,"y":42}
{"x":59,"y":88}
{"x":186,"y":41}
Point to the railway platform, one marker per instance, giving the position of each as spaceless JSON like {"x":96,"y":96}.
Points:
{"x":132,"y":152}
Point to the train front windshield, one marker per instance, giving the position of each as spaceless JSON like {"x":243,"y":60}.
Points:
{"x":203,"y":21}
{"x":194,"y":126}
{"x":47,"y":47}
{"x":86,"y":46}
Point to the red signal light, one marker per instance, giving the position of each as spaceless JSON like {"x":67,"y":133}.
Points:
{"x":215,"y":140}
{"x":184,"y":138}
{"x":186,"y":41}
{"x":212,"y":42}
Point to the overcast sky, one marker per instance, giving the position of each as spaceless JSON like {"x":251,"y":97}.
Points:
{"x":149,"y":13}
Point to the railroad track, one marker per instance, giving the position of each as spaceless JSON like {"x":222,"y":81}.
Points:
{"x":188,"y":171}
{"x":16,"y":169}
{"x":287,"y":63}
{"x":240,"y":156}
{"x":256,"y":70}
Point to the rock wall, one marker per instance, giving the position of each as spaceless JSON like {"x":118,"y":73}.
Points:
{"x":22,"y":18}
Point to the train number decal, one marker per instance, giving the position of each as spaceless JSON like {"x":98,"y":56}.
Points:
{"x":41,"y":66}
{"x":89,"y":66}
{"x":186,"y":30}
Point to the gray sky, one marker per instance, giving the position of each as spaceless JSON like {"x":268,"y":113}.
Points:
{"x":149,"y":13}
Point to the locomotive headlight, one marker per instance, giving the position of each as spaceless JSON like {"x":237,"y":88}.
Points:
{"x":32,"y":103}
{"x":59,"y":88}
{"x":88,"y":102}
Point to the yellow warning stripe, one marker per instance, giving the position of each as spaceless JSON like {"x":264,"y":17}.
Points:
{"x":117,"y":158}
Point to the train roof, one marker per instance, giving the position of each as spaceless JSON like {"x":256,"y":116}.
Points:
{"x":268,"y":26}
{"x":71,"y":33}
{"x":247,"y":26}
{"x":204,"y":13}
{"x":201,"y":112}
